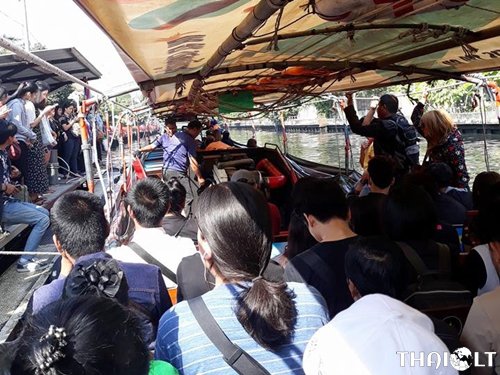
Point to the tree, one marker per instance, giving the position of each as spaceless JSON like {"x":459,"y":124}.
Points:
{"x":60,"y":96}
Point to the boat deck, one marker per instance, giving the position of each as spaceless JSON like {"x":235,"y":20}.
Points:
{"x":17,"y":288}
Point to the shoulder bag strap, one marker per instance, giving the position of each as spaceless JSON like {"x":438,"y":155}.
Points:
{"x":152,"y":260}
{"x":234,"y":356}
{"x":319,"y":267}
{"x":413,"y":257}
{"x":444,"y":258}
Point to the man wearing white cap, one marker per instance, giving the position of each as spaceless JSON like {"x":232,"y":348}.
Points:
{"x":373,"y":334}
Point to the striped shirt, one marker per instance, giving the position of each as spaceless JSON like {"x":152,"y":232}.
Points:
{"x":182,"y":342}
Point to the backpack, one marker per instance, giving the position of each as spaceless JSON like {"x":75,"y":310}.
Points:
{"x":435,"y":293}
{"x":406,"y":150}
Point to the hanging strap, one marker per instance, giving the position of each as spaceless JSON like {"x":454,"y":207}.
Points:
{"x":234,"y":356}
{"x":413,"y":257}
{"x":148,"y":258}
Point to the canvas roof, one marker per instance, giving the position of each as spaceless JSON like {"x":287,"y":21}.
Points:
{"x":169,"y":46}
{"x":13,"y":70}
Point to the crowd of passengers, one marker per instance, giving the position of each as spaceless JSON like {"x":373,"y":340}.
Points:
{"x":208,"y":294}
{"x":38,"y":133}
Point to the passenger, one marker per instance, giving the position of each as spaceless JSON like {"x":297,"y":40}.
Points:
{"x":226,"y":138}
{"x":448,"y":209}
{"x":217,"y":143}
{"x":82,"y":335}
{"x":17,"y":212}
{"x":174,"y":223}
{"x":179,"y":152}
{"x":254,"y":179}
{"x":325,"y":211}
{"x":367,"y":211}
{"x":368,"y":336}
{"x":482,"y":183}
{"x":80,"y":229}
{"x":444,"y":142}
{"x":252,"y":143}
{"x":299,"y":237}
{"x":480,"y":275}
{"x":71,"y":147}
{"x":4,"y":110}
{"x":410,"y":218}
{"x":482,"y":329}
{"x":392,"y":134}
{"x":443,"y":175}
{"x":269,"y":319}
{"x":147,"y":204}
{"x":31,"y":161}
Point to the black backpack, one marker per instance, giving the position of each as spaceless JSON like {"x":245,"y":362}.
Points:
{"x":435,"y":293}
{"x":406,"y":150}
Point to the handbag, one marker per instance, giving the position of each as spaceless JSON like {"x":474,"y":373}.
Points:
{"x":14,"y":151}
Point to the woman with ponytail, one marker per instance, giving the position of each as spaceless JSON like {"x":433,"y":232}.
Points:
{"x":269,"y":319}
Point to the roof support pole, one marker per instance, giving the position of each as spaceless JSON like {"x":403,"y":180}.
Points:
{"x":260,"y":13}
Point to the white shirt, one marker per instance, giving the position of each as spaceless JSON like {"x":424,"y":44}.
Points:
{"x":365,"y":339}
{"x":168,"y":250}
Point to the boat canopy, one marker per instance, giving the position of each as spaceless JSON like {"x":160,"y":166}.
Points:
{"x":218,"y":56}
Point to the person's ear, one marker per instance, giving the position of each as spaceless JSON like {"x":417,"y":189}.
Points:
{"x":130,"y":212}
{"x":57,"y":244}
{"x":310,"y":220}
{"x":204,"y":247}
{"x":354,"y":291}
{"x":60,"y":250}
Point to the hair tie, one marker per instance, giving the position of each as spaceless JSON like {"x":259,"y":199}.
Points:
{"x":257,"y":278}
{"x":55,"y":340}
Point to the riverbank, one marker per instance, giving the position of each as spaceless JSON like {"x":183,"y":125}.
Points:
{"x":466,"y":129}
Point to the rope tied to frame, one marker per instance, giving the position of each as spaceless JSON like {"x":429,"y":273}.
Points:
{"x":180,"y":85}
{"x":459,"y":38}
{"x":350,"y":35}
{"x":273,"y":44}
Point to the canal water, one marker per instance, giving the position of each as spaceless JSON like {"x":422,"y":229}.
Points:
{"x":328,"y":148}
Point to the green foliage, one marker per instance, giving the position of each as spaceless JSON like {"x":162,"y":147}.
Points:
{"x":60,"y":96}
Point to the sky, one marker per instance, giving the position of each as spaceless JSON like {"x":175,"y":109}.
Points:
{"x":62,"y":24}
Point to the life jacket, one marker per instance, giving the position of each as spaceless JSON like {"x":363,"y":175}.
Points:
{"x":406,"y":150}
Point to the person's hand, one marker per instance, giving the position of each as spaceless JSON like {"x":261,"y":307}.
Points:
{"x":350,"y":98}
{"x":4,"y":112}
{"x":11,"y":189}
{"x":14,"y":172}
{"x":137,"y":153}
{"x":49,"y":111}
{"x":425,"y":95}
{"x":201,"y":181}
{"x":343,"y":103}
{"x":373,"y":104}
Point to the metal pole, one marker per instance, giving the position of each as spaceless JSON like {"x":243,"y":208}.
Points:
{"x":96,"y":160}
{"x":26,"y":30}
{"x":87,"y":157}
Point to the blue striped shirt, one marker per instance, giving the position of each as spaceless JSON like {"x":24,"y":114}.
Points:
{"x":182,"y":342}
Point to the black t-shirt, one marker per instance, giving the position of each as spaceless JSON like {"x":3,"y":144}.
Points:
{"x":187,"y":226}
{"x":330,"y":280}
{"x":449,"y":210}
{"x":64,"y":120}
{"x":366,"y":214}
{"x":193,"y":280}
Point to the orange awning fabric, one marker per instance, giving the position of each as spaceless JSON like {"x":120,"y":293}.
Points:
{"x":176,"y":49}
